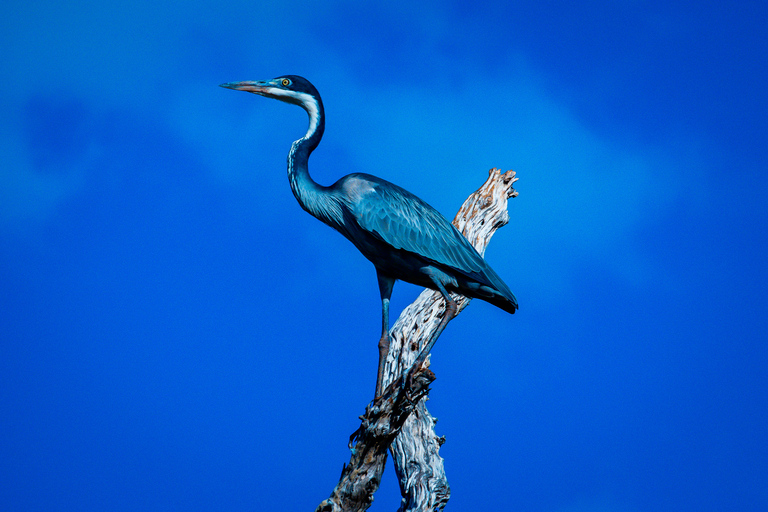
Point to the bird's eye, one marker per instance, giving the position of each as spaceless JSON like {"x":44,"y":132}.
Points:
{"x":286,"y":82}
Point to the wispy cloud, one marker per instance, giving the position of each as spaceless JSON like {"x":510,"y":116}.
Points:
{"x":583,"y":191}
{"x":584,"y":194}
{"x":31,"y":191}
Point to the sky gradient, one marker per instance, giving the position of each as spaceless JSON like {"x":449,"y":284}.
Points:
{"x":177,"y":334}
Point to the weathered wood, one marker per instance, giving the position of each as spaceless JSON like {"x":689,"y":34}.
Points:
{"x":419,"y":467}
{"x":381,"y":422}
{"x":399,"y":420}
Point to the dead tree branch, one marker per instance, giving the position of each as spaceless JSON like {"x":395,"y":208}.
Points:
{"x":399,"y":419}
{"x":419,"y":467}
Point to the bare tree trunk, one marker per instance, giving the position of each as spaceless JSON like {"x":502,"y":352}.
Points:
{"x":399,"y":419}
{"x":419,"y":467}
{"x":381,"y":422}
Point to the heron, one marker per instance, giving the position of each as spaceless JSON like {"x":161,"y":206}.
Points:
{"x":403,"y":236}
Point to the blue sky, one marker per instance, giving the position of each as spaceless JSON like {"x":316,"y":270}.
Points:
{"x":177,"y":334}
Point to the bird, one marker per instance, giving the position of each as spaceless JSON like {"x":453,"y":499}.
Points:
{"x":404,"y":237}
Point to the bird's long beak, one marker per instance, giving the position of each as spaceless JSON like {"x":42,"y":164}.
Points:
{"x":262,"y":87}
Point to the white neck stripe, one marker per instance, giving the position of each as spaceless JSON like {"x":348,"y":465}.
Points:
{"x":307,"y":101}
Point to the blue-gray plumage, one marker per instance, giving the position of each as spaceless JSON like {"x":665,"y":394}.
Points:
{"x":400,"y":234}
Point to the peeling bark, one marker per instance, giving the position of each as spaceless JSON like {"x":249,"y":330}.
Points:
{"x":399,"y":419}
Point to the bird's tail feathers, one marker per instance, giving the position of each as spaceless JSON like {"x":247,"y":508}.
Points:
{"x":498,"y":294}
{"x":508,"y":304}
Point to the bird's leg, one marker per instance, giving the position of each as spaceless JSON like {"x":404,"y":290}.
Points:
{"x":383,"y":346}
{"x":451,"y":310}
{"x":385,"y":288}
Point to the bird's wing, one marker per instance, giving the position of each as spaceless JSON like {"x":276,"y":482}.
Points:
{"x":404,"y":221}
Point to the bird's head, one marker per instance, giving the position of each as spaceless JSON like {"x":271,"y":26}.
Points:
{"x":289,"y":88}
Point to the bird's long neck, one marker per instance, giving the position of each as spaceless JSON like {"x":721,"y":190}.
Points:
{"x":314,"y":198}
